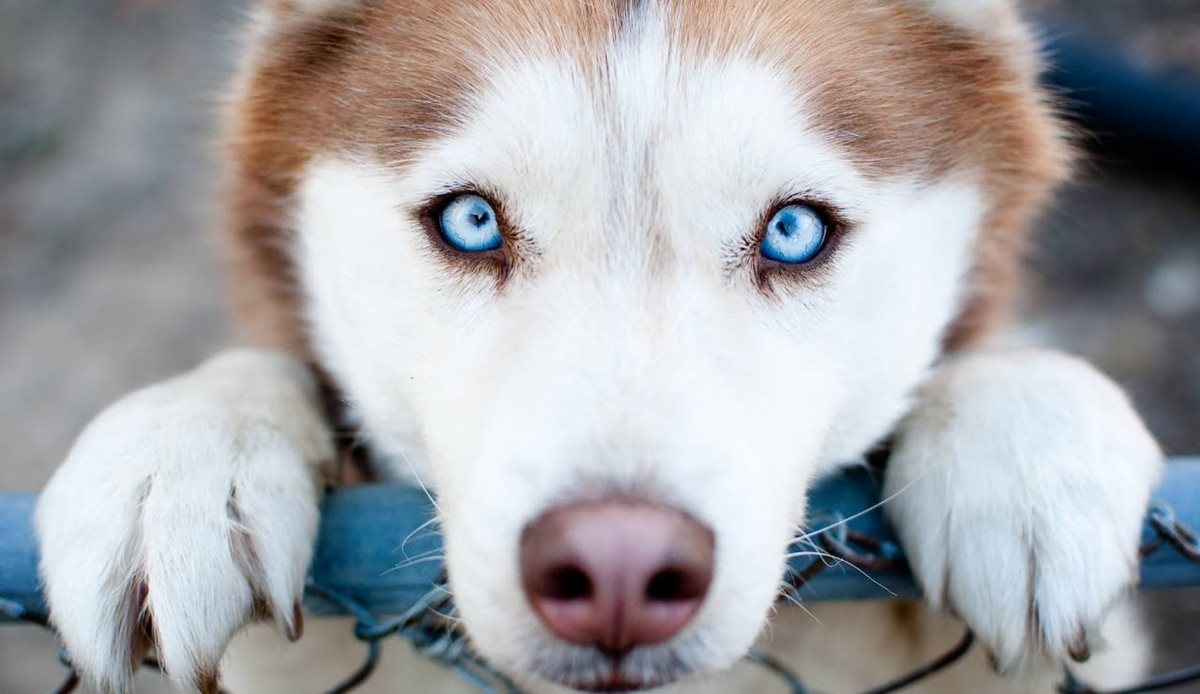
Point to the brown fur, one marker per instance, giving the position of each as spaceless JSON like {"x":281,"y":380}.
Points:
{"x":383,"y":79}
{"x":900,"y":91}
{"x":903,"y":91}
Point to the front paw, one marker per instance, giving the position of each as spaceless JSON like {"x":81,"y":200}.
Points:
{"x":1021,"y":479}
{"x":182,"y":512}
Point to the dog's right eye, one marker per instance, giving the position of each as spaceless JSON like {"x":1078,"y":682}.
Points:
{"x":468,"y":223}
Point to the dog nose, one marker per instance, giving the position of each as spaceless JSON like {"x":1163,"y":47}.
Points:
{"x":616,"y":574}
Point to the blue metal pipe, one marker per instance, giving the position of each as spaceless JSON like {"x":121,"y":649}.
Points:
{"x":1134,"y":117}
{"x":366,"y":532}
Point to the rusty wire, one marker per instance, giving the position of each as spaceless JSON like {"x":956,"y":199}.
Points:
{"x":430,"y":625}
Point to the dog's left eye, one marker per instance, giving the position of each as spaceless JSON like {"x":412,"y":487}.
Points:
{"x":468,"y":223}
{"x":795,"y":234}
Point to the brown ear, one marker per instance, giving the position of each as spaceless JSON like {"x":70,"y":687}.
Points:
{"x":1036,"y":155}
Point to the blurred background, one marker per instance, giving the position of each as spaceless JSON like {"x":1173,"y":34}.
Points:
{"x":108,"y":277}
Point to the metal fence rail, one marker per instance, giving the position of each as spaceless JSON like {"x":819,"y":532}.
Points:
{"x":367,"y":532}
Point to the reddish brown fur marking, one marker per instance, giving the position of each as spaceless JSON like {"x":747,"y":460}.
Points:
{"x":901,"y":92}
{"x":384,"y":78}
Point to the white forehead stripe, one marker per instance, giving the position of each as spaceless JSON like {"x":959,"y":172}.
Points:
{"x":694,"y":145}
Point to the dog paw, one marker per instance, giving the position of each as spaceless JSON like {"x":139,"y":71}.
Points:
{"x":1021,"y":479}
{"x":183,"y":511}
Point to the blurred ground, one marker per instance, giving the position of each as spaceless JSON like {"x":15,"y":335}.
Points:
{"x":107,"y":280}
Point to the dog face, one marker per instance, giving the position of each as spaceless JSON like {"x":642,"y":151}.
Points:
{"x":693,"y":254}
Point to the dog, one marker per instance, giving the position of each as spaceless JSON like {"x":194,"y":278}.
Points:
{"x":618,"y":280}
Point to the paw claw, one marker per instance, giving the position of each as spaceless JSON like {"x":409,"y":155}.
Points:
{"x":181,"y":550}
{"x":1080,"y":649}
{"x":295,"y":629}
{"x":993,"y":660}
{"x":1037,"y":505}
{"x":208,"y":682}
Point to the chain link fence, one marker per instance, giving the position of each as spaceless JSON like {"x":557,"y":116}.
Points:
{"x":354,"y":573}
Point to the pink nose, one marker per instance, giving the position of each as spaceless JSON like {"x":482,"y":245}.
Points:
{"x":616,"y":574}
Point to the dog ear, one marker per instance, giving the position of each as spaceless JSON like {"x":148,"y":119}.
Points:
{"x":997,"y":21}
{"x":988,"y":18}
{"x":309,"y":7}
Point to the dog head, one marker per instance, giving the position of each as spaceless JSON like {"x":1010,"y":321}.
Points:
{"x":619,"y":279}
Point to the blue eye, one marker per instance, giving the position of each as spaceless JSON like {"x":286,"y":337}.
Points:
{"x":794,"y":235}
{"x":469,"y":223}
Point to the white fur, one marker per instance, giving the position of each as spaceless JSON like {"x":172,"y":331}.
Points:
{"x":995,"y":19}
{"x":145,"y":495}
{"x":1027,"y":476}
{"x":992,"y":20}
{"x":625,"y":352}
{"x":978,"y":16}
{"x":607,"y":361}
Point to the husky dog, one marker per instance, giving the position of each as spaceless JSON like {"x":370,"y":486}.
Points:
{"x":618,"y":280}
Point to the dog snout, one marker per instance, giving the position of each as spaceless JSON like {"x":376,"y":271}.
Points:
{"x":616,"y":574}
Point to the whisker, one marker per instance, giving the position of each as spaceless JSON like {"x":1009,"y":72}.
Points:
{"x":456,"y":621}
{"x":413,"y":561}
{"x":413,"y":469}
{"x":810,"y":553}
{"x":826,"y":556}
{"x":863,"y":512}
{"x":789,"y":594}
{"x":419,"y":528}
{"x":869,"y":577}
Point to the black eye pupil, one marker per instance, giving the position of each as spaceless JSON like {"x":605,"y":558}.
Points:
{"x":480,"y":218}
